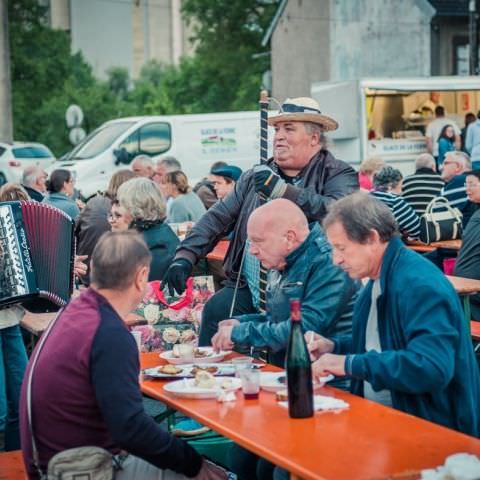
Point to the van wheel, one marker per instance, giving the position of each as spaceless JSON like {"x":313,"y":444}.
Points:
{"x":2,"y":179}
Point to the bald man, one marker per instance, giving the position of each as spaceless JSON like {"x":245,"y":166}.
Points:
{"x":299,"y":257}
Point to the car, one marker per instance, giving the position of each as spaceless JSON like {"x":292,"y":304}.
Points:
{"x":14,"y":157}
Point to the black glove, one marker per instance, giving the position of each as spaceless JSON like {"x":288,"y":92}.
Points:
{"x":268,"y":184}
{"x":177,"y":275}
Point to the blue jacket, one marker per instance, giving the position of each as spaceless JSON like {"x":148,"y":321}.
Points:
{"x":427,"y":360}
{"x":324,"y":290}
{"x":64,"y":203}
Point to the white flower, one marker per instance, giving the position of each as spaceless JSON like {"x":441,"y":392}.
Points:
{"x":151,"y":313}
{"x":171,"y":335}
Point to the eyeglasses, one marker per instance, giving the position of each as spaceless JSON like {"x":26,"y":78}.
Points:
{"x":471,"y":185}
{"x":113,"y":217}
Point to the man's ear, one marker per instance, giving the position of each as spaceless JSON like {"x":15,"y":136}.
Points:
{"x":141,"y":277}
{"x":315,"y":140}
{"x":373,"y":237}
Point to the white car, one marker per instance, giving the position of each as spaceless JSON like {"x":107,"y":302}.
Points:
{"x":14,"y":157}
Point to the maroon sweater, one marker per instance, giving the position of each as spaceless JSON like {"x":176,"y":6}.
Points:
{"x":85,"y":392}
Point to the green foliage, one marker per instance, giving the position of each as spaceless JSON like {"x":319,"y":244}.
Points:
{"x":223,"y":75}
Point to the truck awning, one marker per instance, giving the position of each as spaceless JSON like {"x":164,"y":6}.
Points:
{"x":422,"y":83}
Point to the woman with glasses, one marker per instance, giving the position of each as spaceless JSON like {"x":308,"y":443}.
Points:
{"x":60,"y":188}
{"x":468,"y":260}
{"x":141,"y":204}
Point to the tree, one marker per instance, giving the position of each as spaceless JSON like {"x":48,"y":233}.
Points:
{"x":227,"y":34}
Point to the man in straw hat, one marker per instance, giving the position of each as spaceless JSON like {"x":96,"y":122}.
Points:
{"x":302,"y":170}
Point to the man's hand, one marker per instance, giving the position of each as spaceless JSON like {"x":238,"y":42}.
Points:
{"x":318,"y":345}
{"x":230,"y":322}
{"x":210,"y":471}
{"x":79,"y":266}
{"x":177,"y":275}
{"x":329,"y":364}
{"x":222,"y":340}
{"x":268,"y":184}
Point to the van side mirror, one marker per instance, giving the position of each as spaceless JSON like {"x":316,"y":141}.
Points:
{"x":121,"y":156}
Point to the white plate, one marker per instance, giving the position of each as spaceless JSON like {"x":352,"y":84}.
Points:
{"x":223,"y":370}
{"x":187,"y":389}
{"x":269,"y":381}
{"x":210,"y":357}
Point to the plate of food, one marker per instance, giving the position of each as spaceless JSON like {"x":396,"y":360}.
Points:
{"x":275,"y":381}
{"x":204,"y":385}
{"x":189,"y":370}
{"x":203,"y":354}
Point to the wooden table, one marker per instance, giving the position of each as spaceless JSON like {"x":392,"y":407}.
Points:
{"x":367,"y":441}
{"x":425,"y":248}
{"x":220,"y":250}
{"x":465,"y":287}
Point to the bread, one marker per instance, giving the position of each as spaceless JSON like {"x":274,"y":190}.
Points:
{"x":282,"y":395}
{"x":170,"y":369}
{"x":204,"y":379}
{"x":197,"y":369}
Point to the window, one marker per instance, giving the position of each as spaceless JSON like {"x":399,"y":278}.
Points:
{"x":155,"y":138}
{"x":32,"y":152}
{"x":98,"y":141}
{"x":2,"y":151}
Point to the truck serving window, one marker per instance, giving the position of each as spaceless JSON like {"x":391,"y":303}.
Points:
{"x":98,"y":141}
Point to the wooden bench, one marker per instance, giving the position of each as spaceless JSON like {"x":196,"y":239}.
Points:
{"x":11,"y":466}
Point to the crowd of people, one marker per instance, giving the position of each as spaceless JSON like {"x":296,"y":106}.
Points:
{"x":383,"y":319}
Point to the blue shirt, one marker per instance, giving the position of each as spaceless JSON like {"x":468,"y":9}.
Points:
{"x":64,"y":203}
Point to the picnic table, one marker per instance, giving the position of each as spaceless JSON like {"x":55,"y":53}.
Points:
{"x":366,"y":441}
{"x":430,"y":247}
{"x":465,"y":287}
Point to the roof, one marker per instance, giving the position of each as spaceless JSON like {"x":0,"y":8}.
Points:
{"x":450,"y":8}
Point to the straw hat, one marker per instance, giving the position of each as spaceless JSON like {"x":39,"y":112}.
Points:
{"x":303,"y":109}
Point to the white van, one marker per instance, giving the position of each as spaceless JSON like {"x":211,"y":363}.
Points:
{"x":196,"y":141}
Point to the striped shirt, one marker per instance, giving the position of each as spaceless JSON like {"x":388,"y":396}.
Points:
{"x":421,"y":188}
{"x":407,"y":219}
{"x":454,"y":191}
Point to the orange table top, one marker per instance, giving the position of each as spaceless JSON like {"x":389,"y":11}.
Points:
{"x":220,"y":250}
{"x":423,"y":247}
{"x":367,"y":441}
{"x":464,"y":285}
{"x":475,"y":330}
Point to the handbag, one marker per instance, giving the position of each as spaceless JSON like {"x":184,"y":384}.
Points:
{"x":440,"y":222}
{"x":88,"y":463}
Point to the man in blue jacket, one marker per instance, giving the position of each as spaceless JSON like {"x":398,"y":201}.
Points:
{"x":410,"y":347}
{"x":299,"y":260}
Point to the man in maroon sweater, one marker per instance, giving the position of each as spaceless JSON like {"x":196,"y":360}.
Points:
{"x":85,"y":389}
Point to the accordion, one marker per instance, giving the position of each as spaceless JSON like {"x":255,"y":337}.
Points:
{"x":37,"y":253}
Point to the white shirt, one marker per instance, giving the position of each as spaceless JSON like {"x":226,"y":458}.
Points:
{"x":372,"y":342}
{"x":434,"y":128}
{"x":11,"y":316}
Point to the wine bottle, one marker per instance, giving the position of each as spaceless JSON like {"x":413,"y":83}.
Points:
{"x":299,"y":368}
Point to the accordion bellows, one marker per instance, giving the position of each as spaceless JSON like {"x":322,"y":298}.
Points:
{"x":37,"y":252}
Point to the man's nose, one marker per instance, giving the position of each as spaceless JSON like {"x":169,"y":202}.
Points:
{"x":337,"y":258}
{"x":253,"y":249}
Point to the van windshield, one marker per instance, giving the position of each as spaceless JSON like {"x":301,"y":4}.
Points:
{"x":98,"y":141}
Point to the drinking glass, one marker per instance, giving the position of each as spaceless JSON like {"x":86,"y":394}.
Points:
{"x":250,"y":378}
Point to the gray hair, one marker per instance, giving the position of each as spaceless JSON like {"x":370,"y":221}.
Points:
{"x":425,"y":160}
{"x":387,"y":177}
{"x":359,"y":214}
{"x":142,"y":199}
{"x":30,"y":175}
{"x":312,"y":128}
{"x":460,"y":157}
{"x":170,"y":163}
{"x":116,"y":259}
{"x":372,"y":165}
{"x":143,"y":160}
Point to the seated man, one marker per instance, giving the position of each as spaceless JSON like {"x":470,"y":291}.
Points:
{"x":300,"y":257}
{"x":410,"y":347}
{"x":89,"y":362}
{"x":224,"y":179}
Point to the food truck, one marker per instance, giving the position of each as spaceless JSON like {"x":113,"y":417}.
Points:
{"x":387,"y":117}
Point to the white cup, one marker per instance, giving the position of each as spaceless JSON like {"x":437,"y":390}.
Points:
{"x":186,"y":352}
